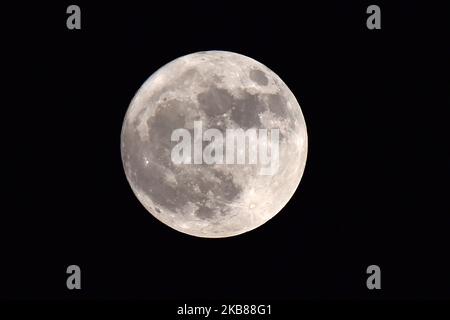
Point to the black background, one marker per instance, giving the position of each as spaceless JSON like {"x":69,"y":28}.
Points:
{"x":375,"y":188}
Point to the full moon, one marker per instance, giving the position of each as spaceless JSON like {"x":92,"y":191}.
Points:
{"x":224,"y":91}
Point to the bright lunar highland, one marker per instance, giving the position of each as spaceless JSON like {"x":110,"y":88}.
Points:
{"x":220,"y":90}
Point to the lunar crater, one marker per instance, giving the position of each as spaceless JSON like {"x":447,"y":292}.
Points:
{"x":259,"y":77}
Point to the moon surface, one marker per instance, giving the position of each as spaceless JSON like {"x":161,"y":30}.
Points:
{"x":223,"y":90}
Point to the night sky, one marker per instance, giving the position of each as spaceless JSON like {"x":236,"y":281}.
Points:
{"x":375,"y":189}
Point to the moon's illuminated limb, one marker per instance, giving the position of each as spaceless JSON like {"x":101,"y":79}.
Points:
{"x":223,"y":90}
